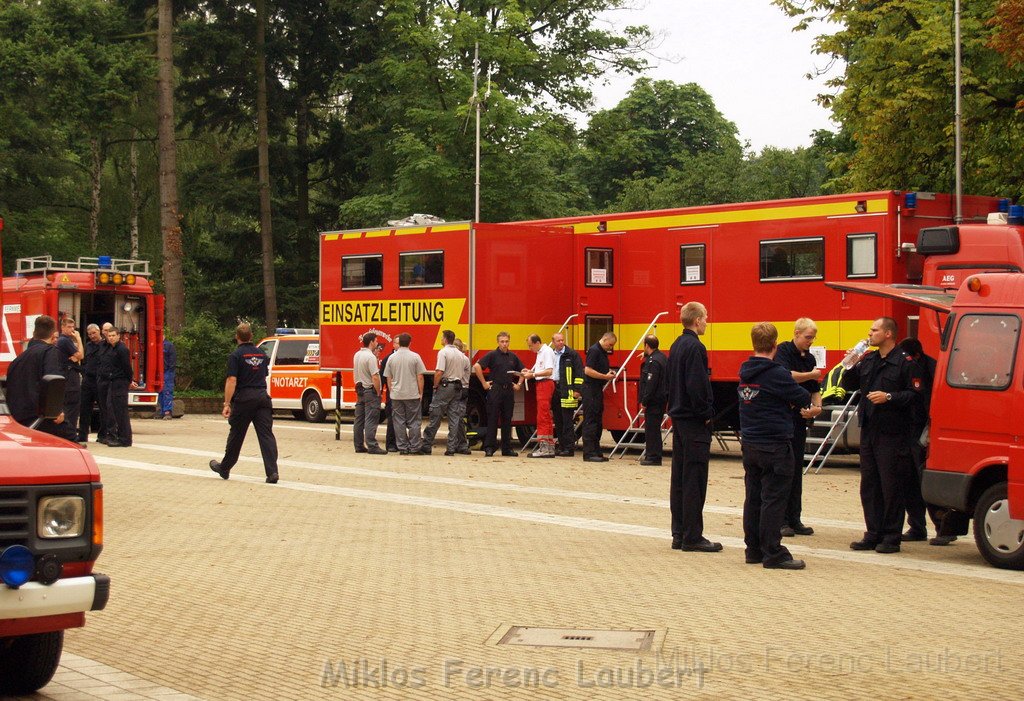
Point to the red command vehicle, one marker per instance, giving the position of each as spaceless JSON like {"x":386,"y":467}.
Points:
{"x":630,"y":273}
{"x":92,"y":291}
{"x":51,"y":532}
{"x":475,"y":279}
{"x":976,"y":452}
{"x":295,"y":380}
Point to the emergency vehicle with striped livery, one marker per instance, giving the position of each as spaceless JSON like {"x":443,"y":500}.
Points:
{"x":630,"y":273}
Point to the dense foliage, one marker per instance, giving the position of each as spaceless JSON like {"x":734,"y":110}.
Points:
{"x":370,"y":116}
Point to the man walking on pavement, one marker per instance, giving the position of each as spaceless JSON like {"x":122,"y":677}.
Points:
{"x":452,"y":365}
{"x":404,"y":373}
{"x":367,"y":380}
{"x":891,"y":388}
{"x":691,"y":410}
{"x":597,"y":374}
{"x":653,"y":392}
{"x":247,"y":401}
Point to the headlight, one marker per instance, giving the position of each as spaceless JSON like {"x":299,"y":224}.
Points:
{"x":60,"y":517}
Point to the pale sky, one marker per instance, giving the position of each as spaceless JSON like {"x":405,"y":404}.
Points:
{"x":744,"y":54}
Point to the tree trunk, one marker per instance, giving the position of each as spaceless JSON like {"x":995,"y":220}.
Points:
{"x":97,"y":180}
{"x":302,"y":172}
{"x":133,"y":167}
{"x":263,"y":149}
{"x":170,"y":220}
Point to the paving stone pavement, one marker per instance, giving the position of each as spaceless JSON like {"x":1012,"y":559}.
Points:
{"x":393,"y":577}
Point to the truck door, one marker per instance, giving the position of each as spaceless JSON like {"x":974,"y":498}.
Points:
{"x":690,"y":258}
{"x":598,"y":291}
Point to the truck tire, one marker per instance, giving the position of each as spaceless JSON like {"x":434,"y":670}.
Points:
{"x":313,"y":407}
{"x":27,"y":663}
{"x":999,"y":537}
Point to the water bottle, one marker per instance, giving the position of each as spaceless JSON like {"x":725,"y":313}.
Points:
{"x":853,"y":357}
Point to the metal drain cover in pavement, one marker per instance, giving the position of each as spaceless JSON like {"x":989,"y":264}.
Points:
{"x":639,"y":640}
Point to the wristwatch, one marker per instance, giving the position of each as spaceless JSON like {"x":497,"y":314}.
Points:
{"x":888,"y":397}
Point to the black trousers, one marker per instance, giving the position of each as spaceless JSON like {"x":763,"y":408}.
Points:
{"x":794,"y":505}
{"x":103,"y":398}
{"x":767,"y":476}
{"x":688,"y":490}
{"x":390,"y":440}
{"x":654,"y":414}
{"x":251,"y":406}
{"x":119,"y":426}
{"x":501,"y":401}
{"x":886,"y":463}
{"x":89,"y":397}
{"x":72,"y":406}
{"x":565,"y":432}
{"x":593,"y":418}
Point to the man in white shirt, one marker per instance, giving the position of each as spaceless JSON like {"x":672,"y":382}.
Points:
{"x":542,"y":373}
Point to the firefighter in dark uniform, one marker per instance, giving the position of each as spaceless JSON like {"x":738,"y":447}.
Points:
{"x":121,"y":378}
{"x":566,"y":398}
{"x":94,"y":347}
{"x":501,"y":388}
{"x":25,"y":374}
{"x":597,"y":374}
{"x":69,"y":345}
{"x":691,"y":407}
{"x":653,"y":394}
{"x":796,"y":357}
{"x":104,"y":366}
{"x":891,"y":386}
{"x":246,"y":401}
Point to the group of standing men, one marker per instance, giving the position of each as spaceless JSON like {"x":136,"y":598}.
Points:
{"x":98,"y":373}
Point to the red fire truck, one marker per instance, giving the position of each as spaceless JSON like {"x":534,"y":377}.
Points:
{"x":51,"y":501}
{"x":92,"y":291}
{"x":629,"y":273}
{"x":975,"y":455}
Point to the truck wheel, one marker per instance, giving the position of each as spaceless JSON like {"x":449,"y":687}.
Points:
{"x":524,"y":432}
{"x":999,"y":537}
{"x":27,"y":663}
{"x":313,"y":408}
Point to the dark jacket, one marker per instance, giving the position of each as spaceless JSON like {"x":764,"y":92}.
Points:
{"x":120,"y":363}
{"x":570,"y":377}
{"x":653,"y":386}
{"x":768,"y":393}
{"x":896,"y":374}
{"x":24,"y":376}
{"x":689,"y":387}
{"x":93,"y":351}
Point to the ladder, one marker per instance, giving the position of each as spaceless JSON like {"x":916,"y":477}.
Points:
{"x":634,"y":437}
{"x":836,"y":431}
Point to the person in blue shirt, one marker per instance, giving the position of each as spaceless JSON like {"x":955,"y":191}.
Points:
{"x":167,"y":393}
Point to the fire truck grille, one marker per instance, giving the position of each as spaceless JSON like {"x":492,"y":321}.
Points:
{"x":14,"y":517}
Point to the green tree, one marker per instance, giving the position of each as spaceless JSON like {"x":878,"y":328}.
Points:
{"x":659,"y":126}
{"x":895,"y":96}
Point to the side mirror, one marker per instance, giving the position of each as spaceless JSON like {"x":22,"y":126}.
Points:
{"x":51,"y":398}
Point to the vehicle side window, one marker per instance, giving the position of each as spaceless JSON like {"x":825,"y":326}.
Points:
{"x":793,"y":259}
{"x":983,"y":351}
{"x":596,"y":326}
{"x":421,"y":269}
{"x":691,"y":264}
{"x":268,"y":348}
{"x":861,"y":255}
{"x":362,"y":272}
{"x":293,"y":352}
{"x":599,"y":271}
